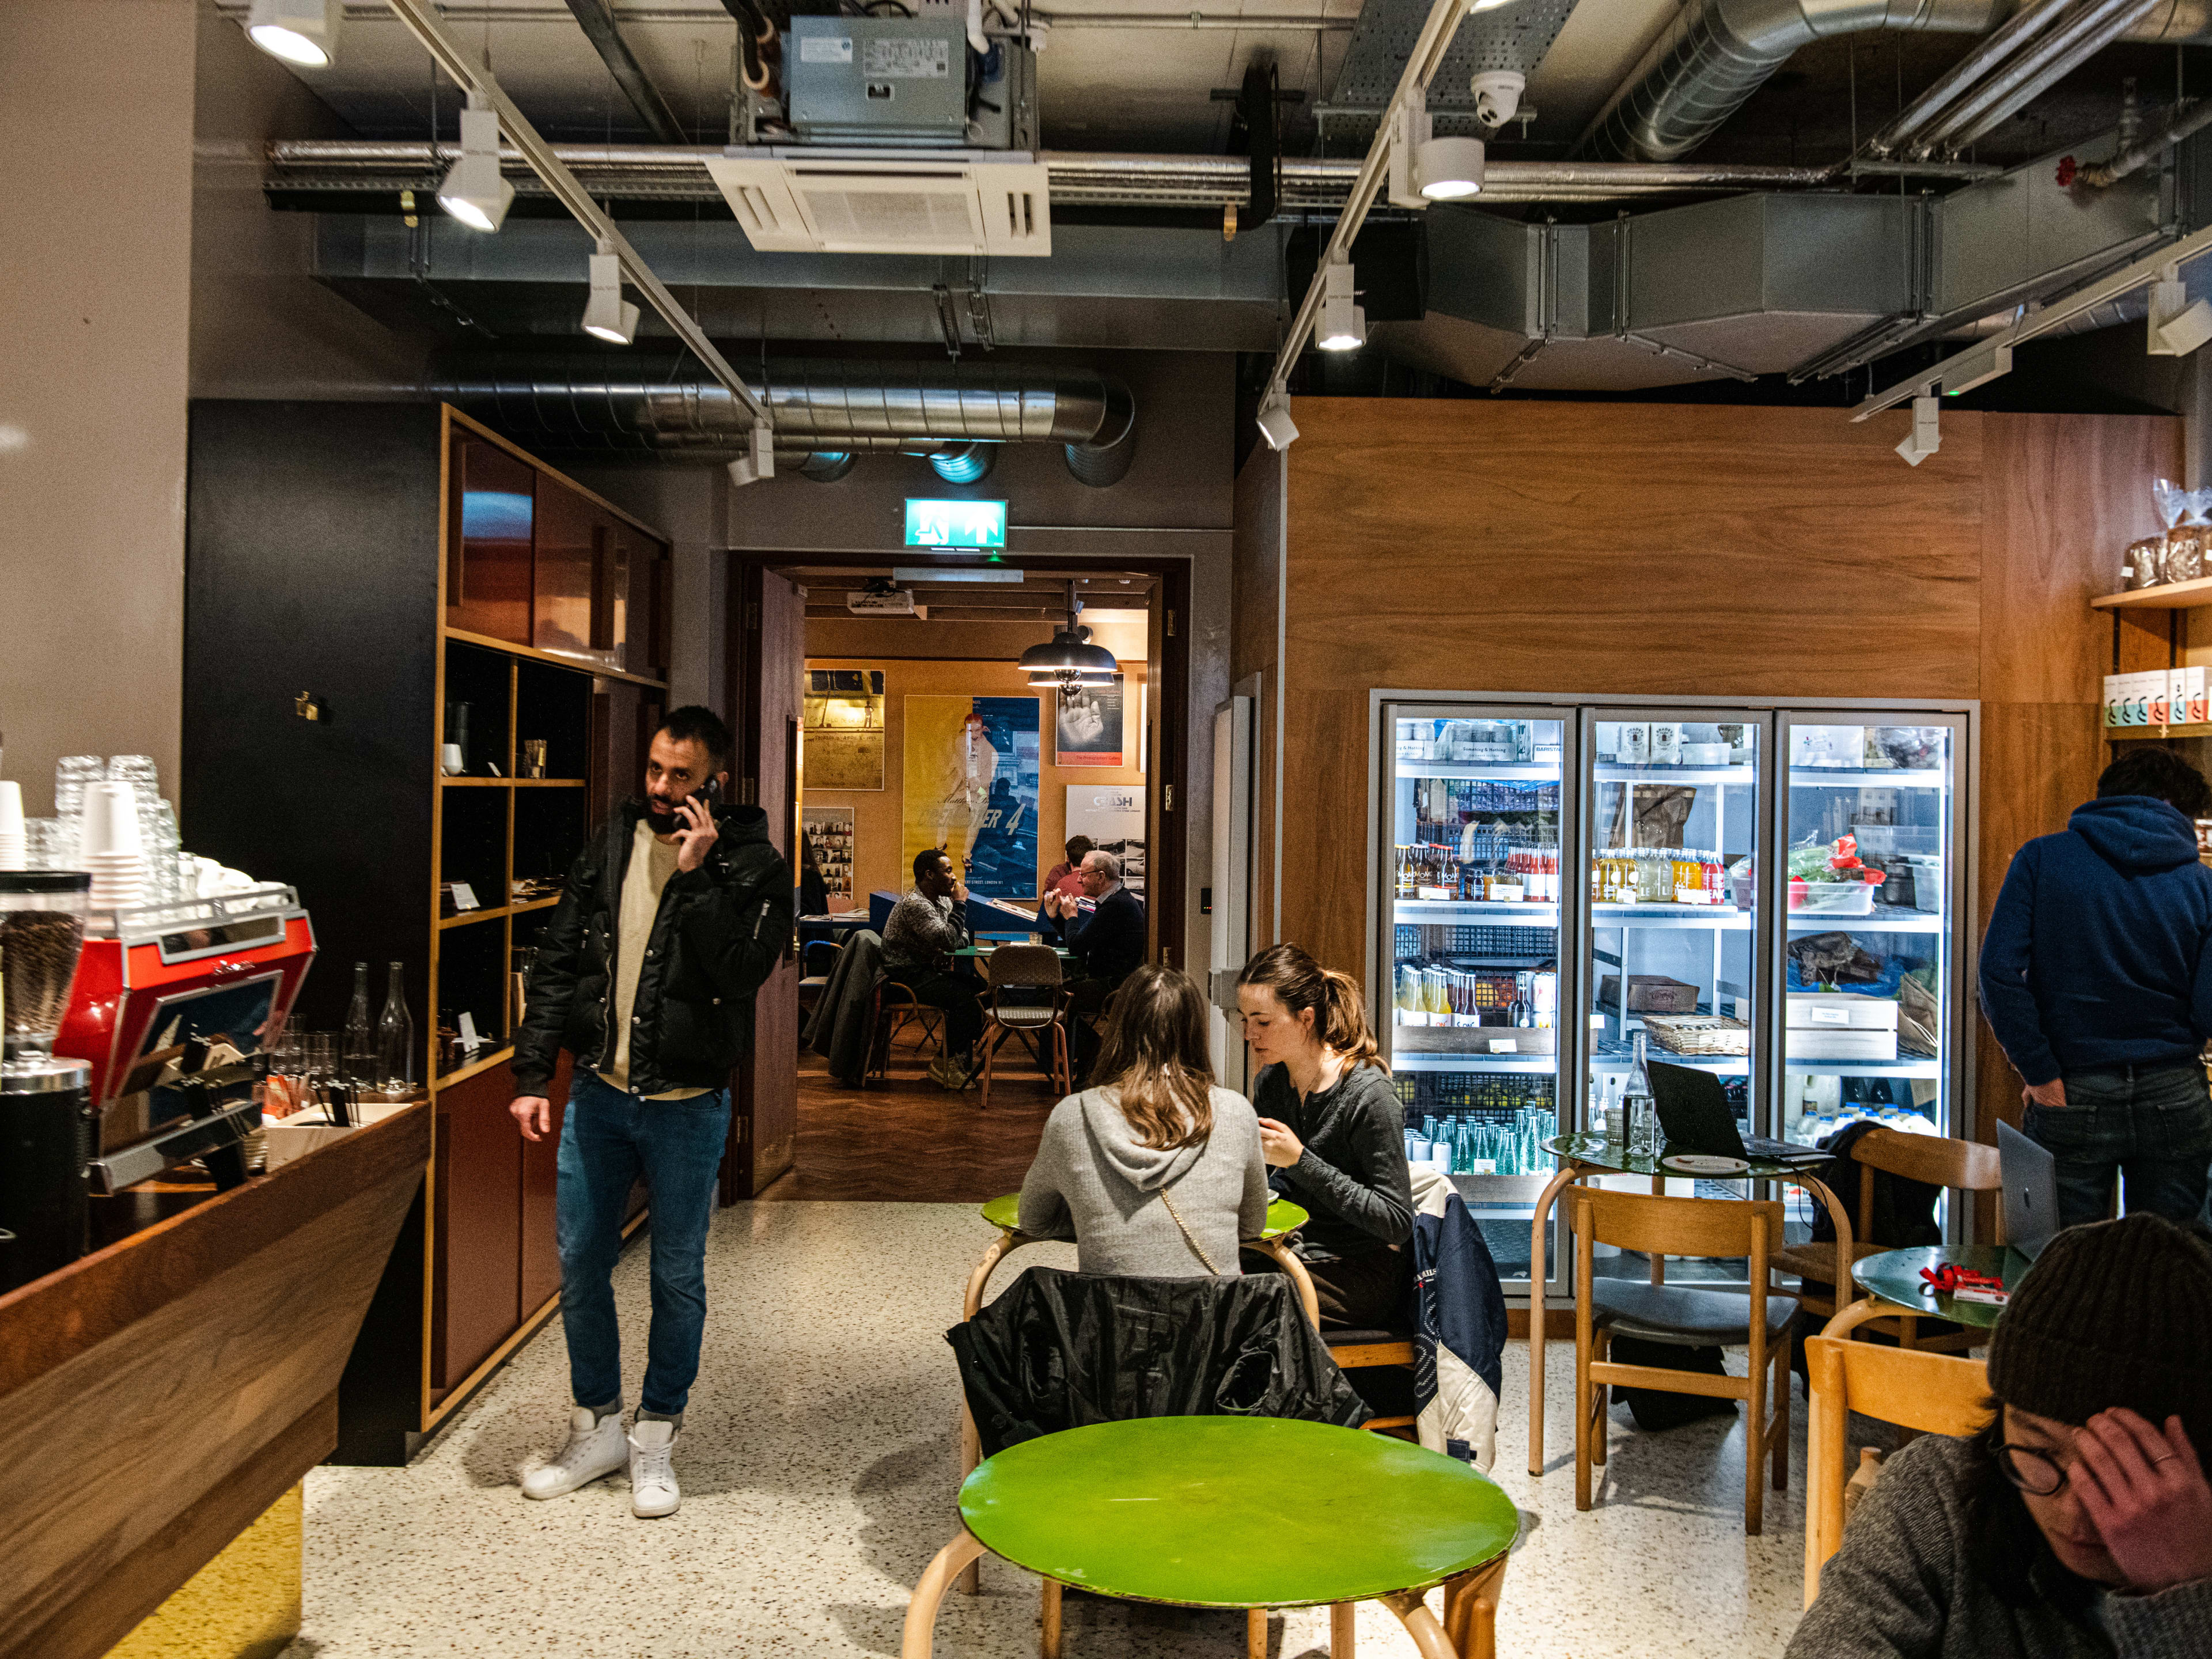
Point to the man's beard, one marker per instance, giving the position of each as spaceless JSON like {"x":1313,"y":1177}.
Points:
{"x":660,"y":823}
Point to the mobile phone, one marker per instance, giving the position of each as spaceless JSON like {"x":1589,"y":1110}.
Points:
{"x":709,"y":794}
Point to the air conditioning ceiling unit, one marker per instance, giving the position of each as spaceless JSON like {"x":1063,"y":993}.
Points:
{"x":842,"y":201}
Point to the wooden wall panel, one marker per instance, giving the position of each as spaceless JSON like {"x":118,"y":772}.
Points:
{"x":477,"y":1285}
{"x":1563,"y":548}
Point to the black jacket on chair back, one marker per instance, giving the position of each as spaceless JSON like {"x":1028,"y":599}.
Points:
{"x":721,"y":930}
{"x":1058,"y":1349}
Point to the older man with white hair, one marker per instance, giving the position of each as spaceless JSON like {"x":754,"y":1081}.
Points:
{"x":1104,"y":932}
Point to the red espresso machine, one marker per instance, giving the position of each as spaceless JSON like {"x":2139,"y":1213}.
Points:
{"x":173,"y":1007}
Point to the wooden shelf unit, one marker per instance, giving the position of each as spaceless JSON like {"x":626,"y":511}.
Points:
{"x":390,"y":559}
{"x":2153,"y":629}
{"x":2167,"y":595}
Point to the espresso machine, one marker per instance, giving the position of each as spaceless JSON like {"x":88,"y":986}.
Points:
{"x":48,"y":1128}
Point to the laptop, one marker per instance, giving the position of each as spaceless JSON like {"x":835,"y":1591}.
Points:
{"x":1693,"y":1110}
{"x":2030,"y":1192}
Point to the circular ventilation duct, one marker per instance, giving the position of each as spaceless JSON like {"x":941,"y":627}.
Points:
{"x":1106,"y":459}
{"x":965,"y":463}
{"x":826,"y":465}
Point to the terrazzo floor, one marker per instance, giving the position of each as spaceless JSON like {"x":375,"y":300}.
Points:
{"x":819,"y":1465}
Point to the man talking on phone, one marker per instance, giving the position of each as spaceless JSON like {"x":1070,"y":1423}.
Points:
{"x":673,"y":915}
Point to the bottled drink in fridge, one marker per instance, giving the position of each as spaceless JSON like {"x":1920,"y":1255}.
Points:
{"x":395,"y":1040}
{"x":1643,"y":1118}
{"x":357,"y":1039}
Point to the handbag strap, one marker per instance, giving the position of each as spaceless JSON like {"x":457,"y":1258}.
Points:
{"x":1188,"y":1238}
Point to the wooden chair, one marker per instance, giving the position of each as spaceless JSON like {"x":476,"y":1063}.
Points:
{"x":895,"y":1005}
{"x":1682,"y":1316}
{"x":1962,"y":1165}
{"x":1935,"y":1394}
{"x":1030,"y":970}
{"x":811,"y":983}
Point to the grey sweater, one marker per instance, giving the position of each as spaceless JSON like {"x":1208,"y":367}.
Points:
{"x":1904,"y":1586}
{"x":1091,"y":1180}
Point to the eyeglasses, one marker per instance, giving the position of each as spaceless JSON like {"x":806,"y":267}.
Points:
{"x":2031,"y":1471}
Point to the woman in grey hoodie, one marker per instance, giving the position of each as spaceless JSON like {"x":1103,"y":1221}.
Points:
{"x":1155,"y":1173}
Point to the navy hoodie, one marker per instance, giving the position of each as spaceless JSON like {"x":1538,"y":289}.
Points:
{"x":2098,"y":954}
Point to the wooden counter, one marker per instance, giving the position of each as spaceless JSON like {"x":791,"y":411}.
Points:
{"x":160,"y":1394}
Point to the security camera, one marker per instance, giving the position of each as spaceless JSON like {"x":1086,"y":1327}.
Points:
{"x":1497,"y":95}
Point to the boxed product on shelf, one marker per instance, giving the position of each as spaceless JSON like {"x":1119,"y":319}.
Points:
{"x":2133,"y":700}
{"x":1838,"y":1011}
{"x":1838,"y":746}
{"x":1698,"y":1034}
{"x":1651,"y":993}
{"x":2186,"y":702}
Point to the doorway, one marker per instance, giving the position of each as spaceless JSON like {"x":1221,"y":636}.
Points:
{"x":903,"y":671}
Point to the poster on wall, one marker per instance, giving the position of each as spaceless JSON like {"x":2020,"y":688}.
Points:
{"x":1113,"y":815}
{"x":843,"y":737}
{"x":971,"y":789}
{"x":829,"y":831}
{"x":1087,"y":726}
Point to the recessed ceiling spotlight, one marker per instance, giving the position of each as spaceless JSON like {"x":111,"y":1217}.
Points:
{"x":474,"y":192}
{"x":302,"y":32}
{"x":608,"y":316}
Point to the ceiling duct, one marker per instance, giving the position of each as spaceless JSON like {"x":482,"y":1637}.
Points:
{"x":1717,"y":53}
{"x":659,"y":407}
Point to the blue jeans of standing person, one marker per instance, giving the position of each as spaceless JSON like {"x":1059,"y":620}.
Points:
{"x":2154,"y":1123}
{"x":608,"y":1139}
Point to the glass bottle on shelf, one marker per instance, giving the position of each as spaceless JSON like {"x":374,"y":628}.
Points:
{"x":395,"y":1040}
{"x":357,"y":1043}
{"x":1642,"y":1117}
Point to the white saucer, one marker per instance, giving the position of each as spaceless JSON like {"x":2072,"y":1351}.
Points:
{"x":1703,"y":1164}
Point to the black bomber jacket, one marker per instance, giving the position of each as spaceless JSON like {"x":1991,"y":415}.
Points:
{"x":721,"y":930}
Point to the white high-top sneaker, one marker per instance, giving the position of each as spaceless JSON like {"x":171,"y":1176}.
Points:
{"x":652,"y":1489}
{"x":594,"y":1448}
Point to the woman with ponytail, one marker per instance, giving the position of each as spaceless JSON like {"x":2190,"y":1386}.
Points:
{"x":1156,"y":1172}
{"x":1332,"y":1127}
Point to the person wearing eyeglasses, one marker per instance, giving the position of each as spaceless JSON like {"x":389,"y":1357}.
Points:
{"x":2078,"y":1523}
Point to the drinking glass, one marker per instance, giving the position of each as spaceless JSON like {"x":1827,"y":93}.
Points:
{"x":139,"y":772}
{"x":287,"y":1074}
{"x":322,"y":1053}
{"x":71,"y":774}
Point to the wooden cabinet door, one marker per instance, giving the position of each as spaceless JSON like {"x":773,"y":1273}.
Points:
{"x":572,"y":537}
{"x":491,"y":512}
{"x":475,"y":1303}
{"x":541,"y":1162}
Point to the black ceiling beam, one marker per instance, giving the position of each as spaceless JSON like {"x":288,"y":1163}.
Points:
{"x":598,"y":26}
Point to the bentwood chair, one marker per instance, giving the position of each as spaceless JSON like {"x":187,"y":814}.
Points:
{"x":1932,"y":1393}
{"x":817,"y":961}
{"x":1678,"y":1315}
{"x":1025,"y":996}
{"x":896,"y":1005}
{"x":1964,"y":1166}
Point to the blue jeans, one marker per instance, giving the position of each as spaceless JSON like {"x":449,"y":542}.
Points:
{"x":607,"y":1140}
{"x":2154,"y":1122}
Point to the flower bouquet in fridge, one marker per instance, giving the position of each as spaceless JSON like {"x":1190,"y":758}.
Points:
{"x":1827,"y":878}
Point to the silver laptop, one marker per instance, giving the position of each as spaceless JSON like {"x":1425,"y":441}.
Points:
{"x":2030,"y":1192}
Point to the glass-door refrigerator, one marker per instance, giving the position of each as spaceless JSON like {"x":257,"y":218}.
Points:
{"x":1870,"y":979}
{"x":1478,"y":883}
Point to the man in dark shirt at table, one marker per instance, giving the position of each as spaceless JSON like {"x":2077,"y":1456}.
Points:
{"x":1104,"y":932}
{"x":922,"y":932}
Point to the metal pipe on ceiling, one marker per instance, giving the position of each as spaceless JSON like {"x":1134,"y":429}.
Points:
{"x":2103,"y":175}
{"x":1717,"y":53}
{"x":2106,"y":22}
{"x":2015,"y":32}
{"x":649,"y":172}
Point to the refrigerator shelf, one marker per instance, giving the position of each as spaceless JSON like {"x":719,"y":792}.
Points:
{"x":1904,"y":921}
{"x":1916,"y":1066}
{"x":1522,"y":910}
{"x":1502,"y":771}
{"x":1725,"y":917}
{"x":1533,"y":1065}
{"x":1604,"y":774}
{"x":1864,"y":777}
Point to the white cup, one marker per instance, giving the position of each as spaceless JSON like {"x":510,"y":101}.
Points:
{"x":111,"y":819}
{"x":11,"y":810}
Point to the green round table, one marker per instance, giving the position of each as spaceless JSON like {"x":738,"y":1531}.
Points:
{"x":1894,"y":1276}
{"x":1004,"y":1212}
{"x":1235,"y":1512}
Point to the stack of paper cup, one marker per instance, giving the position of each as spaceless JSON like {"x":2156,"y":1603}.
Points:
{"x":111,"y":849}
{"x":13,"y":854}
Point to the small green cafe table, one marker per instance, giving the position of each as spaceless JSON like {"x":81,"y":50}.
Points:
{"x":1892,"y":1278}
{"x":1004,"y":1212}
{"x":1238,"y":1512}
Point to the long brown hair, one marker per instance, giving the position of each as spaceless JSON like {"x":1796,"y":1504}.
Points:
{"x":1155,"y":1053}
{"x":1339,"y":1010}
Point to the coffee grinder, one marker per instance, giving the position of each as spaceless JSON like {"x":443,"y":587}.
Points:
{"x":47,"y":1128}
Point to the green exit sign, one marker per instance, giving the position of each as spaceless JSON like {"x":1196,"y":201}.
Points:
{"x":956,"y":524}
